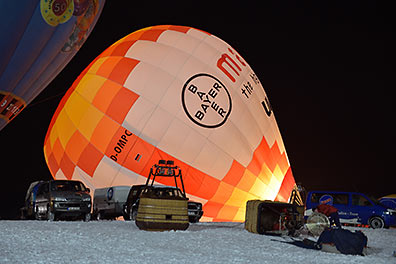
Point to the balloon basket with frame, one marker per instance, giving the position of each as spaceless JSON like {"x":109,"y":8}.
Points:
{"x":272,"y":218}
{"x":162,"y":209}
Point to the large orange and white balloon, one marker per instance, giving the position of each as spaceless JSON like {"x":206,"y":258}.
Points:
{"x":174,"y":93}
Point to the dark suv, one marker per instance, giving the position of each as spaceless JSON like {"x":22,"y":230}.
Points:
{"x":57,"y":199}
{"x":131,"y":205}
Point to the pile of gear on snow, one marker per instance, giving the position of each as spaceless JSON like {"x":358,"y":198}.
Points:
{"x":287,"y":220}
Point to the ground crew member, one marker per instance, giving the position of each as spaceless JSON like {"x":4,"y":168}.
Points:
{"x":331,"y":212}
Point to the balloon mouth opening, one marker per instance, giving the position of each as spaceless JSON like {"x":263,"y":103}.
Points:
{"x":10,"y":105}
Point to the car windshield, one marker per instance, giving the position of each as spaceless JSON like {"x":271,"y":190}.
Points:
{"x":72,"y":186}
{"x":374,"y":200}
{"x":164,"y":191}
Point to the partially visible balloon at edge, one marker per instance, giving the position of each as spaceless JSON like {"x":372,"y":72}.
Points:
{"x":38,"y":39}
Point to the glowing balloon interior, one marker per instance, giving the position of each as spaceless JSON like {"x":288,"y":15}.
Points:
{"x":39,"y":37}
{"x":173,"y":93}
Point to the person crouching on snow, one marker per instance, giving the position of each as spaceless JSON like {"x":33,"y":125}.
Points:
{"x":331,"y":212}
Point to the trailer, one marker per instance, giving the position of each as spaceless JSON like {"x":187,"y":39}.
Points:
{"x":109,"y":202}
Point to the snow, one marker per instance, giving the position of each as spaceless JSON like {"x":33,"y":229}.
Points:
{"x":120,"y":241}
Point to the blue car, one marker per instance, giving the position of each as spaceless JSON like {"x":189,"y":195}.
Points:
{"x":353,"y":208}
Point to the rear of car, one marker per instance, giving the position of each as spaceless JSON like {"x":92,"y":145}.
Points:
{"x":353,"y":208}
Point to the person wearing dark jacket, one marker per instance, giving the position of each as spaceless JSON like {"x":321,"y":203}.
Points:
{"x":331,"y":212}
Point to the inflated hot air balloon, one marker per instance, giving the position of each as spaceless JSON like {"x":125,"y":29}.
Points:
{"x":38,"y":39}
{"x":172,"y":93}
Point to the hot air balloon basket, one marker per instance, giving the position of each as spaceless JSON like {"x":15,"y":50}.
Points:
{"x":159,"y":214}
{"x":268,"y":217}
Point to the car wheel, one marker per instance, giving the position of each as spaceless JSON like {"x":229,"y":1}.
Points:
{"x":50,"y":214}
{"x":87,"y":217}
{"x":126,"y":216}
{"x":377,"y":222}
{"x":192,"y":219}
{"x":99,"y":216}
{"x":133,"y":214}
{"x":36,"y":214}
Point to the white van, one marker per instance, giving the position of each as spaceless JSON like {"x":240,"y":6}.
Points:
{"x":108,"y":202}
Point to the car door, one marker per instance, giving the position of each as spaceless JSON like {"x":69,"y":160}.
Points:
{"x":362,"y":207}
{"x":133,"y":198}
{"x":341,"y":202}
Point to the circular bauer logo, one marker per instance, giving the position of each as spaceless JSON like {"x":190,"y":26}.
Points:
{"x":206,"y":100}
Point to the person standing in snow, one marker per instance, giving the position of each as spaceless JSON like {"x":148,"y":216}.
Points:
{"x":331,"y":212}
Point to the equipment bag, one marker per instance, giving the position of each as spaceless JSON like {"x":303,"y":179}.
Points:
{"x":345,"y":241}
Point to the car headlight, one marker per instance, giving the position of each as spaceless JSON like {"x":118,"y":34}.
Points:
{"x":60,"y":199}
{"x":87,"y":199}
{"x":390,"y":212}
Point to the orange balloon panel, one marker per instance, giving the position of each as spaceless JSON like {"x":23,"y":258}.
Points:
{"x":173,"y":93}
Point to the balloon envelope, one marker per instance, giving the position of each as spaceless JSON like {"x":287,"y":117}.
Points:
{"x":39,"y":37}
{"x":174,"y":93}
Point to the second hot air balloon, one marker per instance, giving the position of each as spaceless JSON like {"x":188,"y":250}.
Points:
{"x":38,"y":39}
{"x":174,"y":93}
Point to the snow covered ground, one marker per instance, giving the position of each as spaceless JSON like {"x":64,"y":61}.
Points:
{"x":123,"y":242}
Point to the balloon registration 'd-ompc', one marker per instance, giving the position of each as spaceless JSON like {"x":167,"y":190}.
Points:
{"x":38,"y":39}
{"x":173,"y":93}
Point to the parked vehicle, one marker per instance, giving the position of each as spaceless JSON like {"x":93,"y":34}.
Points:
{"x":132,"y":203}
{"x":194,"y":211}
{"x":108,"y":202}
{"x":27,"y":211}
{"x":353,"y":208}
{"x":57,"y":199}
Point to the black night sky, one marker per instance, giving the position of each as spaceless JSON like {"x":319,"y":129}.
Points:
{"x":326,"y":67}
